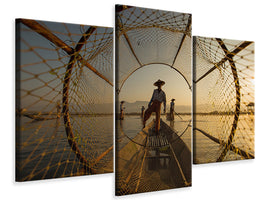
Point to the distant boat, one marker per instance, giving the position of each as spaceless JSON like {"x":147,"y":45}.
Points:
{"x":38,"y":117}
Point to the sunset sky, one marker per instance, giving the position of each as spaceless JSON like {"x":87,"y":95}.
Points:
{"x":139,"y":86}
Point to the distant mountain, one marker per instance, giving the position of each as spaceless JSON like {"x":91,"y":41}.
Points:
{"x":135,"y":107}
{"x":104,"y":108}
{"x":207,"y":108}
{"x":204,"y":108}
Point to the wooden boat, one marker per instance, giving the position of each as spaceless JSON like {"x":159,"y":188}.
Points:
{"x":36,"y":117}
{"x":152,"y":162}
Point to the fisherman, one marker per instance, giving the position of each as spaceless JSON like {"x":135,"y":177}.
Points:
{"x":142,"y":112}
{"x":172,"y":110}
{"x":122,"y":110}
{"x":155,"y":105}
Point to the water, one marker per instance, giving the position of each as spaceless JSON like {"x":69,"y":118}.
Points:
{"x":132,"y":125}
{"x":43,"y":150}
{"x":207,"y":150}
{"x":220,"y":127}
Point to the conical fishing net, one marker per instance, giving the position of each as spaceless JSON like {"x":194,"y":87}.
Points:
{"x":223,"y":100}
{"x":148,"y":37}
{"x":64,"y":98}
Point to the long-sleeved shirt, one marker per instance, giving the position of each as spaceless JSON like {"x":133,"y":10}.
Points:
{"x":160,"y":96}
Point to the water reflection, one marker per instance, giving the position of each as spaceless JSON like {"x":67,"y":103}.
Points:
{"x":43,"y":150}
{"x":172,"y":124}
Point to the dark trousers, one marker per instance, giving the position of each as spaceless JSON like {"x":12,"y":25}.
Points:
{"x":121,"y":115}
{"x":155,"y":107}
{"x":171,"y":114}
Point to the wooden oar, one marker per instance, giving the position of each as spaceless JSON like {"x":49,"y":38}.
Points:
{"x":178,"y":115}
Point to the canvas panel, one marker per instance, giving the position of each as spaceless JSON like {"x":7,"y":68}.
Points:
{"x":150,"y":45}
{"x":223,"y":100}
{"x":64,"y":100}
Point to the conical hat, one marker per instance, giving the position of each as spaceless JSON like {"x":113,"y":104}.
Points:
{"x":159,"y":82}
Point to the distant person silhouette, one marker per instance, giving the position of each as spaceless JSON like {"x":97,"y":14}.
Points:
{"x":122,"y":110}
{"x":172,"y":109}
{"x":142,"y":112}
{"x":154,"y":105}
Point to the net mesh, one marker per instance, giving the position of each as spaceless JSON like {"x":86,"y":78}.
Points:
{"x":224,"y":100}
{"x":64,"y":100}
{"x":147,"y":37}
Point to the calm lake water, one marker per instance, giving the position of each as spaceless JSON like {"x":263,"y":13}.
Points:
{"x":207,"y":150}
{"x":132,"y":125}
{"x":220,"y":127}
{"x":44,"y":152}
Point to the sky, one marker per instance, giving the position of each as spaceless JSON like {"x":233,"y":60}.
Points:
{"x":139,"y":86}
{"x":214,"y":92}
{"x":153,"y":50}
{"x":43,"y":66}
{"x":217,"y":90}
